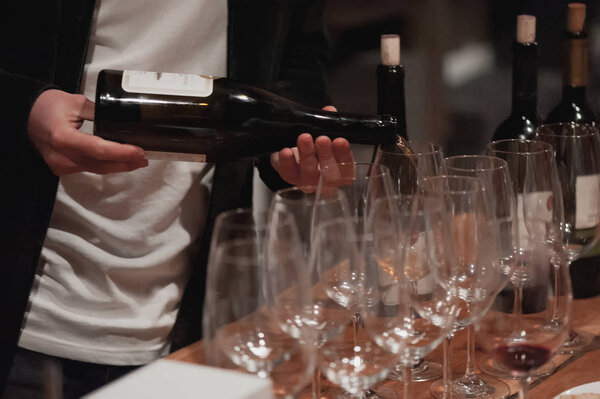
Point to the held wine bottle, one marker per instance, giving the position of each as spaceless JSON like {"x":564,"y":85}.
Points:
{"x":216,"y":120}
{"x":524,"y":117}
{"x":573,"y":105}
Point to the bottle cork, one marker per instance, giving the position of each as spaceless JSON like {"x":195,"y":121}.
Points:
{"x":390,"y":49}
{"x":575,"y":17}
{"x":525,"y":29}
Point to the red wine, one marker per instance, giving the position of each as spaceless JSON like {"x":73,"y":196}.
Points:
{"x":522,"y":358}
{"x":218,"y":118}
{"x":524,"y":118}
{"x":573,"y":105}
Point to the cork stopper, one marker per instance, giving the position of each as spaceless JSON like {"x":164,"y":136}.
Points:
{"x":525,"y":29}
{"x":575,"y":17}
{"x":390,"y":49}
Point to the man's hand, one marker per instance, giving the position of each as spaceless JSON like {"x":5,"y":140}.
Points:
{"x":302,"y":165}
{"x":53,"y":127}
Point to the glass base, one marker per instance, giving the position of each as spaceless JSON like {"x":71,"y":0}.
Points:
{"x":425,"y":371}
{"x":577,"y":341}
{"x":490,"y":367}
{"x":480,"y":386}
{"x":379,"y":393}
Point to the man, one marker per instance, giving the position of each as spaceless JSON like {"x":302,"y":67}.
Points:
{"x":117,"y":246}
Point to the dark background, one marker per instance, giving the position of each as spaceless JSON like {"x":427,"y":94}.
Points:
{"x":457,"y":58}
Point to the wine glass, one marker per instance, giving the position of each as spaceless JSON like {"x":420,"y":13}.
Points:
{"x":577,"y":153}
{"x":350,"y":359}
{"x":407,"y":170}
{"x":519,"y":340}
{"x":477,"y":272}
{"x":541,"y":211}
{"x":360,"y":185}
{"x":414,"y":311}
{"x":498,"y":186}
{"x":255,"y":292}
{"x":323,"y":316}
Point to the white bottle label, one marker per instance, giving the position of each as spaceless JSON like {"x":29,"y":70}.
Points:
{"x":176,"y":84}
{"x":587,"y":201}
{"x":538,"y":206}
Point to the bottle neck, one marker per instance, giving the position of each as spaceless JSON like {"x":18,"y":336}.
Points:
{"x":524,"y":78}
{"x":390,"y":94}
{"x":575,"y":60}
{"x":574,"y":94}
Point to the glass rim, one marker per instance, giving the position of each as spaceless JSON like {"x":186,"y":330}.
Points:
{"x":437,"y":148}
{"x":454,"y":177}
{"x":303,"y":199}
{"x":382,"y":170}
{"x":502,"y":164}
{"x":546,"y":147}
{"x":590,"y":130}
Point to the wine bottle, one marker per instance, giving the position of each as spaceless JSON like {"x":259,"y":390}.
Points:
{"x":573,"y":105}
{"x":524,"y":118}
{"x":215,"y":119}
{"x":390,"y":82}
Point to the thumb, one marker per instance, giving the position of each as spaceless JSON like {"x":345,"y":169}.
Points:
{"x":330,"y":108}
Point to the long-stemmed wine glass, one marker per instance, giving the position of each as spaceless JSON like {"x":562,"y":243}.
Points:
{"x":519,"y":340}
{"x":256,"y":290}
{"x":361,"y":184}
{"x":499,"y":192}
{"x":350,"y":359}
{"x":537,"y":184}
{"x":323,"y":316}
{"x":477,"y":273}
{"x":577,"y":152}
{"x":414,"y":310}
{"x":407,"y":171}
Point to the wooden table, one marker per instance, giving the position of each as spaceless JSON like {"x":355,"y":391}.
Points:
{"x":571,"y":370}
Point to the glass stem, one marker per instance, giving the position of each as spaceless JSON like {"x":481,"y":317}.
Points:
{"x":447,"y":368}
{"x":355,"y":326}
{"x":316,"y":384}
{"x":407,"y":377}
{"x":555,"y":296}
{"x":518,"y":301}
{"x":470,"y":371}
{"x":523,"y":388}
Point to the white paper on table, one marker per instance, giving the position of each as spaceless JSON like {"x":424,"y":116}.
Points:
{"x":172,"y":379}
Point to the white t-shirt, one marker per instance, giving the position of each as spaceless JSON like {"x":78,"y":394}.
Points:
{"x":115,"y":259}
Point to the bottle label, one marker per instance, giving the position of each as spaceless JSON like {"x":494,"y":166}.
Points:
{"x":175,"y":156}
{"x":174,"y":84}
{"x":534,"y":210}
{"x":587,"y":201}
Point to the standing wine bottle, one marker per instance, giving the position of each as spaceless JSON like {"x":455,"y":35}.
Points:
{"x":524,"y":117}
{"x":390,"y":82}
{"x":573,"y":105}
{"x":170,"y":115}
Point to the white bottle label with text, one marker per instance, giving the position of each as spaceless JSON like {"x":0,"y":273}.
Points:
{"x":175,"y":84}
{"x":587,"y":202}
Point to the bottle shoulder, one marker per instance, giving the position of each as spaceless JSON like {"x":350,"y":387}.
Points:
{"x":568,"y":110}
{"x":517,"y":125}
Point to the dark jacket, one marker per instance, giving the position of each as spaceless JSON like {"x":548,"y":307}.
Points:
{"x":276,"y":44}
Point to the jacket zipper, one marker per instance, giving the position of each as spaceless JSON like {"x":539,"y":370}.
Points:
{"x":83,"y":58}
{"x":86,"y":47}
